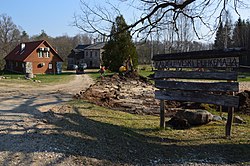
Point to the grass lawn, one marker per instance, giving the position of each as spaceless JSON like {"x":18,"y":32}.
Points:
{"x":44,"y":78}
{"x":131,"y":139}
{"x":57,"y":78}
{"x":94,"y":73}
{"x":244,"y":77}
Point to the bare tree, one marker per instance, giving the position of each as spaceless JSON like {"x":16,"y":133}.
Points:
{"x":9,"y":36}
{"x":155,"y":15}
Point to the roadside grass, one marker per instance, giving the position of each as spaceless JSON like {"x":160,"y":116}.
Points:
{"x":54,"y":78}
{"x":145,"y":73}
{"x":243,"y":77}
{"x":95,"y":74}
{"x":44,"y":78}
{"x":142,"y":134}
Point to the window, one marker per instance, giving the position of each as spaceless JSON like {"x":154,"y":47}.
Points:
{"x":90,"y":54}
{"x":96,"y":53}
{"x":47,"y":55}
{"x":50,"y":66}
{"x":87,"y":53}
{"x":40,"y":54}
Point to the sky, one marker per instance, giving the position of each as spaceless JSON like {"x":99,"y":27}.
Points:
{"x":55,"y":17}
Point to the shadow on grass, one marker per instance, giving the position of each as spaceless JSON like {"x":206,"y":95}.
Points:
{"x":77,"y":135}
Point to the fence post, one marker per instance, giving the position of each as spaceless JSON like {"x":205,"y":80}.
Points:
{"x":229,"y":122}
{"x":162,"y":114}
{"x":230,"y":113}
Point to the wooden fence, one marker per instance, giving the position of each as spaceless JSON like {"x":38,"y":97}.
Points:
{"x":203,"y":77}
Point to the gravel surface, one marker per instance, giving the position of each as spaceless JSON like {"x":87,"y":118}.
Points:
{"x":26,"y":135}
{"x":244,"y":86}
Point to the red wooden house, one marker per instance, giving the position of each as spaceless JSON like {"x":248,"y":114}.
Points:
{"x":37,"y":57}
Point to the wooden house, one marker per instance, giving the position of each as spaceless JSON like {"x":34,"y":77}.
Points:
{"x":36,"y":57}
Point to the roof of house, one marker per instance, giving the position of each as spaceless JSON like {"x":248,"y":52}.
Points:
{"x":95,"y":46}
{"x":82,"y":47}
{"x":17,"y":55}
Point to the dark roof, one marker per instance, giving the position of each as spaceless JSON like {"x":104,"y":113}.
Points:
{"x":95,"y":46}
{"x":82,"y":47}
{"x":17,"y":55}
{"x":232,"y":52}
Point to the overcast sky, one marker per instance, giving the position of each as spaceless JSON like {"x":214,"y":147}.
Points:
{"x":55,"y":16}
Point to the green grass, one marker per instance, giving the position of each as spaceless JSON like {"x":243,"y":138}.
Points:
{"x":44,"y":78}
{"x":141,"y":135}
{"x":145,"y":73}
{"x":244,"y":77}
{"x":57,"y":78}
{"x":149,"y":125}
{"x":94,"y":73}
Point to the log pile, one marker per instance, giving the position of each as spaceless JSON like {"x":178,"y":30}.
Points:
{"x":244,"y":107}
{"x":129,"y":94}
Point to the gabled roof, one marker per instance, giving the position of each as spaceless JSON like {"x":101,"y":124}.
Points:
{"x":95,"y":46}
{"x":17,"y":55}
{"x":82,"y":47}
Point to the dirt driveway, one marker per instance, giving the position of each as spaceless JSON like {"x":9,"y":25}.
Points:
{"x":26,"y":136}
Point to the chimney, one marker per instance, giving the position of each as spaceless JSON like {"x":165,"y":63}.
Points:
{"x":22,"y":46}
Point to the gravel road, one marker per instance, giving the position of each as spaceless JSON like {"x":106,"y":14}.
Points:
{"x":26,"y":135}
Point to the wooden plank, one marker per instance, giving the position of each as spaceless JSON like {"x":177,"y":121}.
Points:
{"x":226,"y":62}
{"x":197,"y":75}
{"x":162,"y":114}
{"x":224,"y":100}
{"x":198,"y":86}
{"x":201,"y":54}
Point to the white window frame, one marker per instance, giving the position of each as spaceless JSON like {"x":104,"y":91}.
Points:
{"x":50,"y":66}
{"x":47,"y":54}
{"x":40,"y":54}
